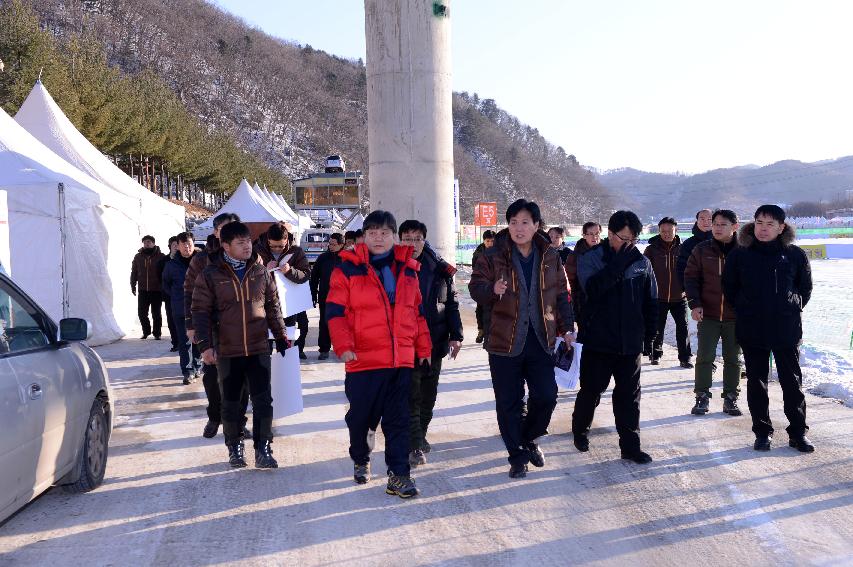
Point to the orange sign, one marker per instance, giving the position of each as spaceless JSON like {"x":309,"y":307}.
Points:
{"x":486,"y":214}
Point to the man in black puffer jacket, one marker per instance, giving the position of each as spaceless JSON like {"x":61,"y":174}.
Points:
{"x":701,"y":233}
{"x":174,"y":276}
{"x":769,"y":281}
{"x":441,"y":310}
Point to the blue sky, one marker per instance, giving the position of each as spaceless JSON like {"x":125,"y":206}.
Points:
{"x":660,"y":85}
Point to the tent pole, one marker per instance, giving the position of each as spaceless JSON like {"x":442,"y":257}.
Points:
{"x":62,"y":231}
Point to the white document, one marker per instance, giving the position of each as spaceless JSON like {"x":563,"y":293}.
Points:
{"x":294,"y":298}
{"x":286,"y":381}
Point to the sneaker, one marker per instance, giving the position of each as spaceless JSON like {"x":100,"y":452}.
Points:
{"x":581,"y":442}
{"x":302,"y":356}
{"x":762,"y":443}
{"x":537,"y":457}
{"x":371,"y":439}
{"x":361,"y":473}
{"x":479,"y":338}
{"x":425,"y":446}
{"x":730,"y":405}
{"x":802,"y":444}
{"x":211,"y":429}
{"x":703,"y":399}
{"x":402,"y":486}
{"x":263,"y":456}
{"x":417,"y":458}
{"x":686,"y":364}
{"x":638,"y":456}
{"x":518,"y":471}
{"x":323,"y":356}
{"x":236,"y":457}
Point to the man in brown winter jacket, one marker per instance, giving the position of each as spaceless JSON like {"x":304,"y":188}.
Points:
{"x":235,"y":302}
{"x":703,"y":282}
{"x":145,"y":271}
{"x":663,"y":252}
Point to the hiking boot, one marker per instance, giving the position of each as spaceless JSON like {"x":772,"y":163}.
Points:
{"x":730,"y":405}
{"x":581,"y":442}
{"x":479,"y":338}
{"x":236,"y":456}
{"x":361,"y":473}
{"x":263,"y":456}
{"x":425,"y":446}
{"x":537,"y":457}
{"x":802,"y":444}
{"x":703,"y":399}
{"x":402,"y":486}
{"x":686,"y":364}
{"x":211,"y":429}
{"x":323,"y":356}
{"x":518,"y":471}
{"x":638,"y":456}
{"x":371,"y":439}
{"x":417,"y":458}
{"x":762,"y":443}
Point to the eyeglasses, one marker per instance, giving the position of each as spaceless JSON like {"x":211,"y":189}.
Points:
{"x":631,"y":240}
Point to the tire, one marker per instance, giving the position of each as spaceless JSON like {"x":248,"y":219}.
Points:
{"x":92,"y":459}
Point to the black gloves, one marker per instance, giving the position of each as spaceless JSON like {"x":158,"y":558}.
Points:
{"x":133,"y":290}
{"x":282,"y":345}
{"x":626,"y":256}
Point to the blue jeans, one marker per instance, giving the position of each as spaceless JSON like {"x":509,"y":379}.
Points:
{"x":190,"y":359}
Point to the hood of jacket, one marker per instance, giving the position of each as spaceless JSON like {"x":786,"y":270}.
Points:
{"x":746,"y":236}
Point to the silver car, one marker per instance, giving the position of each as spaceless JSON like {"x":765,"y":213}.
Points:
{"x":55,"y":410}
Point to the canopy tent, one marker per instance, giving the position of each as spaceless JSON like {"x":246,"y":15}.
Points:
{"x":273,"y":204}
{"x":356,"y":222}
{"x":253,"y":209}
{"x":42,"y":117}
{"x":70,"y":235}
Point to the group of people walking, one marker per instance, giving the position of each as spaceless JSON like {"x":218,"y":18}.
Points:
{"x":389,"y":309}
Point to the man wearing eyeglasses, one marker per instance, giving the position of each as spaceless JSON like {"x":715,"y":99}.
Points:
{"x":620,"y":321}
{"x":591,"y":238}
{"x":321,"y":275}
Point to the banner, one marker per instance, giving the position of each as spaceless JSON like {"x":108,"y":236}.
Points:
{"x":486,"y":214}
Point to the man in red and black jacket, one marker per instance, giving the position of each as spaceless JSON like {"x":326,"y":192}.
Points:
{"x":378,"y":329}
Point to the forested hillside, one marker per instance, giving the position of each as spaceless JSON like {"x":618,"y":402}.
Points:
{"x":287,"y":105}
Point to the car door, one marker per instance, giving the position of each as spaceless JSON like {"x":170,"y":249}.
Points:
{"x":46,"y":374}
{"x":13,"y":463}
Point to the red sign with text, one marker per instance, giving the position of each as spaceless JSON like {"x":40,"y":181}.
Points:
{"x":486,"y":214}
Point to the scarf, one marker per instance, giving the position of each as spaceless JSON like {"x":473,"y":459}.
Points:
{"x":239,"y":266}
{"x":382,"y":264}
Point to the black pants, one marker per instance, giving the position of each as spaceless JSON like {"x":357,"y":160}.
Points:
{"x":300,"y":320}
{"x":679,"y":315}
{"x":509,"y":375}
{"x":234,"y":374}
{"x":210,"y":380}
{"x":596,"y":370}
{"x":324,"y":340}
{"x":790,"y":378}
{"x":374,"y":396}
{"x":478,"y":314}
{"x":188,"y":355}
{"x":150,"y":300}
{"x":170,"y":321}
{"x":424,"y":391}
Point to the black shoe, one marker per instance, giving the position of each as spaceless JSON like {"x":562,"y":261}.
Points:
{"x":654,"y":361}
{"x":188,"y":379}
{"x":518,"y":471}
{"x":730,"y":405}
{"x":174,"y":349}
{"x":425,"y":446}
{"x":638,"y":456}
{"x":144,"y":336}
{"x":479,"y":338}
{"x":302,"y":356}
{"x":417,"y":458}
{"x":246,"y":433}
{"x":762,"y":443}
{"x":703,"y":399}
{"x":361,"y":473}
{"x":686,"y":364}
{"x":263,"y":456}
{"x":802,"y":444}
{"x":537,"y":457}
{"x":402,"y":486}
{"x":236,"y":457}
{"x":211,"y":429}
{"x":156,"y":337}
{"x":581,"y":442}
{"x":323,"y":356}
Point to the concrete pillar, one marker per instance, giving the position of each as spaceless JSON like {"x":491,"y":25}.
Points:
{"x":409,"y":114}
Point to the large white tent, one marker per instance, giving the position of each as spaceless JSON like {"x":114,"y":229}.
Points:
{"x":42,"y":117}
{"x":273,"y":204}
{"x":68,"y":234}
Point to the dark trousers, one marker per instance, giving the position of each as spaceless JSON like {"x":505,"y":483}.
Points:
{"x":170,"y":320}
{"x":188,"y":354}
{"x":376,"y":395}
{"x":790,"y":378}
{"x":234,"y":374}
{"x":478,"y":314}
{"x":678,"y":309}
{"x":596,"y":370}
{"x":424,"y":390}
{"x":152,"y":300}
{"x":210,"y":380}
{"x":324,"y":340}
{"x":300,"y":320}
{"x":509,"y":375}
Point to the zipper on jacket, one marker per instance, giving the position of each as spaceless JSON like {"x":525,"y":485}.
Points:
{"x":240,"y":299}
{"x":776,"y":279}
{"x":669,"y":273}
{"x":387,"y":305}
{"x":722,"y":297}
{"x":147,"y":260}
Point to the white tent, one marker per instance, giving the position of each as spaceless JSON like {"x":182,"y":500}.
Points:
{"x":248,"y":205}
{"x":69,"y":235}
{"x":271,"y":203}
{"x":43,"y":118}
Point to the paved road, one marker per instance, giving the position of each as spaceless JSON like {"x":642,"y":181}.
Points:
{"x":170,"y":499}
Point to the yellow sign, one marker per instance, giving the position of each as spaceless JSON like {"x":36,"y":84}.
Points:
{"x":815,"y":251}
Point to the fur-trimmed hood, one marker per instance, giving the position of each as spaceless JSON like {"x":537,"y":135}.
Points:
{"x":746,"y":235}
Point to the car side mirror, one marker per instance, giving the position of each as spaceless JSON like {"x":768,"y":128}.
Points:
{"x":73,"y":329}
